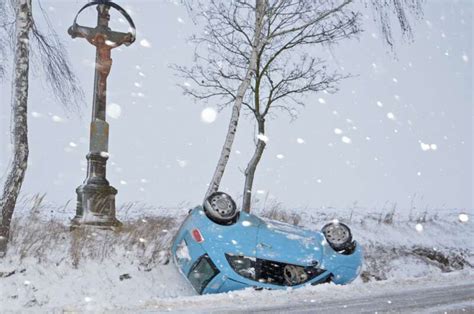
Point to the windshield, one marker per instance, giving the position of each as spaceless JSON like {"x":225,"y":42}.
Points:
{"x":202,"y":273}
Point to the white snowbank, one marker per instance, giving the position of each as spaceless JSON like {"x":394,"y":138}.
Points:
{"x":48,"y":268}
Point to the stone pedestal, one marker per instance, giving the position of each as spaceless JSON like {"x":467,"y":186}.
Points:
{"x":96,"y":197}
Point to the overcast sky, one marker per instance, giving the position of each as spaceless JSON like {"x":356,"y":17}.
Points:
{"x":401,"y":127}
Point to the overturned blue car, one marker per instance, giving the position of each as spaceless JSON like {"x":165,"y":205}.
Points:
{"x":219,"y":249}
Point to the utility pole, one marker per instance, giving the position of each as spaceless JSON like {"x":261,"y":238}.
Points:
{"x":96,"y":197}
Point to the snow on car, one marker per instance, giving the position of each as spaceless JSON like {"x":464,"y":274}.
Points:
{"x":219,"y":249}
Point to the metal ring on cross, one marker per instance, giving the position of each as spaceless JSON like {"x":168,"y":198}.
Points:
{"x":77,"y":30}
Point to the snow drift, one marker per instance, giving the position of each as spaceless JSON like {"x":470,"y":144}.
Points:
{"x":50,"y":267}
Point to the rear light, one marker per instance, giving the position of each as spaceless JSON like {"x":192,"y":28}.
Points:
{"x":197,"y":236}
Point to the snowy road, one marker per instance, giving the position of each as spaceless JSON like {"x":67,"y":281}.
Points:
{"x":452,"y":293}
{"x":439,"y":299}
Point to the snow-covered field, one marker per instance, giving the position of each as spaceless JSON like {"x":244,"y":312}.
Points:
{"x":50,"y":268}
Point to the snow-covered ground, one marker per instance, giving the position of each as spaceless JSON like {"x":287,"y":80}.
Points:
{"x":49,"y":267}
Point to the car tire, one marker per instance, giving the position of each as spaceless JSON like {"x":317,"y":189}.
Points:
{"x":334,"y":240}
{"x":221,"y":208}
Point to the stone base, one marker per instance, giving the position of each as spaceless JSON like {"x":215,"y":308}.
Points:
{"x":96,"y":207}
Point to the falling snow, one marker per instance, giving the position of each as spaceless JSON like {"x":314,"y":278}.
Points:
{"x":346,"y":140}
{"x":145,"y":43}
{"x":114,"y":110}
{"x":57,"y":119}
{"x":419,"y":227}
{"x":390,"y":116}
{"x":208,"y":115}
{"x":427,"y":147}
{"x":463,"y":217}
{"x":182,"y":163}
{"x":262,"y":137}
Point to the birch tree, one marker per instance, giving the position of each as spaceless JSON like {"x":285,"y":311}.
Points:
{"x":235,"y":32}
{"x":232,"y":38}
{"x":17,"y":27}
{"x":3,"y":38}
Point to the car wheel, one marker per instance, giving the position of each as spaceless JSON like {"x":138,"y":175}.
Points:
{"x":338,"y":235}
{"x":221,"y":208}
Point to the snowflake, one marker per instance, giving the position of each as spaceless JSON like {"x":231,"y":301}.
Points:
{"x":145,"y":43}
{"x":262,"y":137}
{"x":208,"y":115}
{"x":182,"y":163}
{"x":346,"y":140}
{"x":114,"y":110}
{"x":391,"y":116}
{"x":57,"y":119}
{"x":463,"y":217}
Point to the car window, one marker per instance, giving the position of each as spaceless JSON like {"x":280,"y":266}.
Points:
{"x":202,"y":273}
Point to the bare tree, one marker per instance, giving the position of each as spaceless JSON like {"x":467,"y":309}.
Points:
{"x":284,"y":71}
{"x":232,"y":38}
{"x":18,"y":24}
{"x":402,"y":10}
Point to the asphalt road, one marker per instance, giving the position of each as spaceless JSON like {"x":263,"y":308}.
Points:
{"x":453,"y":299}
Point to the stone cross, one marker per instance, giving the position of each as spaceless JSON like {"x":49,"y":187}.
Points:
{"x":96,"y":197}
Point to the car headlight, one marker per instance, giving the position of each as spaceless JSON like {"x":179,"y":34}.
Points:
{"x":244,"y":266}
{"x":338,"y":235}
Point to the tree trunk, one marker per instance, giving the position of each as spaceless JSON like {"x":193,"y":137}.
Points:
{"x":19,"y":100}
{"x":243,"y":87}
{"x":252,"y":166}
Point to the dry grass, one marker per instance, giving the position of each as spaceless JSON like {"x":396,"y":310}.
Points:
{"x":145,"y":240}
{"x":378,"y":259}
{"x":276,"y":212}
